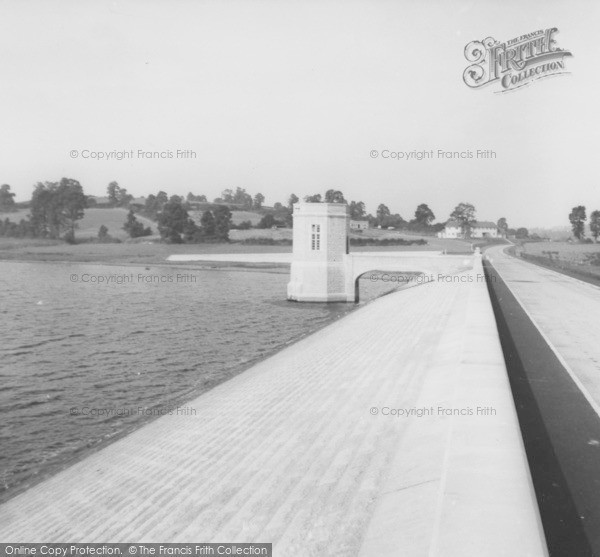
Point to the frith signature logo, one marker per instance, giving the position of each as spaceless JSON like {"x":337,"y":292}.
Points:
{"x":515,"y":63}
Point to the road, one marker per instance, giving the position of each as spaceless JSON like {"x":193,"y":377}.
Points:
{"x":566,"y":310}
{"x":550,"y":330}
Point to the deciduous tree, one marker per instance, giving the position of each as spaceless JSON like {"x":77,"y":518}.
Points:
{"x":222,"y":222}
{"x":7,"y":202}
{"x":292,"y":200}
{"x":134,"y":227}
{"x":357,"y":210}
{"x":112,"y":191}
{"x":522,"y":233}
{"x":382,"y":213}
{"x":595,"y":224}
{"x":464,"y":214}
{"x":172,"y":221}
{"x":577,"y":217}
{"x":313,"y":198}
{"x":424,"y":215}
{"x":259,"y":199}
{"x":334,"y":196}
{"x":56,"y":207}
{"x":502,"y":226}
{"x":207,"y":224}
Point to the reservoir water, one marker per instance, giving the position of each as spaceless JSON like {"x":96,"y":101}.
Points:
{"x":91,"y":352}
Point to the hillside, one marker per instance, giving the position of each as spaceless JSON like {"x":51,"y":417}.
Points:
{"x":113,"y":219}
{"x":93,"y":219}
{"x":237,"y":217}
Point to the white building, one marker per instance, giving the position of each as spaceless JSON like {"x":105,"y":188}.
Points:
{"x":481,"y":229}
{"x":359,"y":224}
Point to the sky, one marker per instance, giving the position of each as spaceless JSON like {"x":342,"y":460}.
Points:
{"x":284,"y":97}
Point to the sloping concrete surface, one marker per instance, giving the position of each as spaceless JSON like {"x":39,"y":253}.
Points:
{"x":300,"y":450}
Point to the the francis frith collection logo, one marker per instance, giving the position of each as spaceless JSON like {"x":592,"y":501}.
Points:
{"x":515,"y":63}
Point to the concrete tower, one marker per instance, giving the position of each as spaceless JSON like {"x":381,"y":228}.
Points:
{"x":318,"y":272}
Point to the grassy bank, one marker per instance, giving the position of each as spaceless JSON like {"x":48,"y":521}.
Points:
{"x":93,"y":219}
{"x":126,"y":253}
{"x":580,"y":261}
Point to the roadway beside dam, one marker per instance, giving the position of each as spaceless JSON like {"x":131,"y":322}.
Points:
{"x":549,"y":329}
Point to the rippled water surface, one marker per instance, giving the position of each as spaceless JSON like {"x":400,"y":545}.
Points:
{"x":82,"y":362}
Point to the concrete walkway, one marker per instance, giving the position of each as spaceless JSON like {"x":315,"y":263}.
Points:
{"x":302,"y":450}
{"x":565,"y":310}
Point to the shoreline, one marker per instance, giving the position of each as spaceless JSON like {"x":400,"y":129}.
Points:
{"x":232,"y":266}
{"x":120,"y":254}
{"x":144,"y":253}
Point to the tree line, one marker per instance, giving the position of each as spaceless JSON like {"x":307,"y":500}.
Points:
{"x":281,"y":214}
{"x":384,"y":218}
{"x":56,"y":207}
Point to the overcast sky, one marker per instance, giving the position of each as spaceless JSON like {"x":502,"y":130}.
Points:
{"x":283,"y":97}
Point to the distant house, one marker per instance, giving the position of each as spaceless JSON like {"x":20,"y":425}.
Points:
{"x":359,"y":224}
{"x":484,"y":229}
{"x":481,"y":229}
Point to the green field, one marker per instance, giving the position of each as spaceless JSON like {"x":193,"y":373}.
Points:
{"x":566,"y":256}
{"x":112,"y":218}
{"x":571,"y":252}
{"x":92,"y":220}
{"x":237,"y":217}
